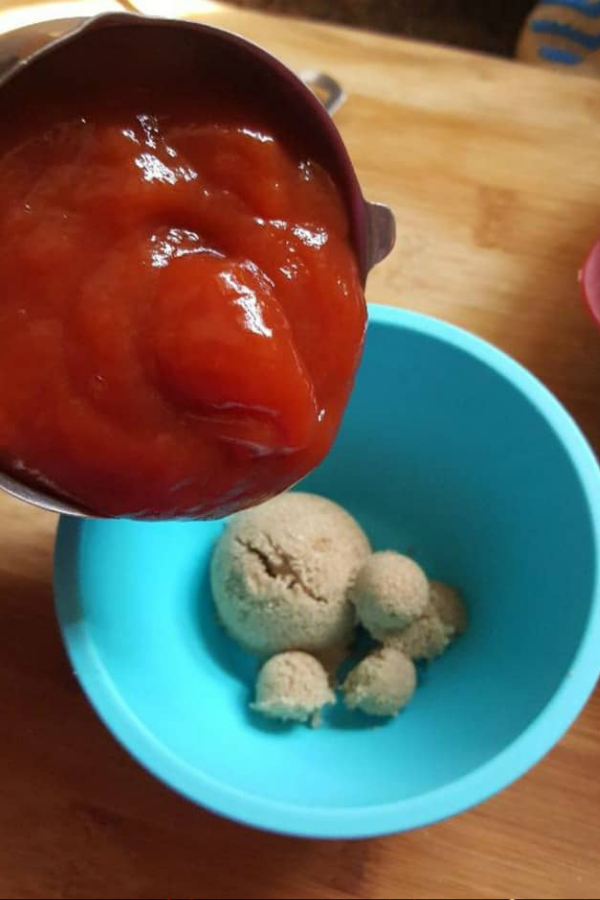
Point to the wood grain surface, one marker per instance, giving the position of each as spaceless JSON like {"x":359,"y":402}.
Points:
{"x":493,"y":170}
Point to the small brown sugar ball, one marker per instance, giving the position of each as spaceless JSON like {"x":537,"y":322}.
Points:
{"x":382,"y":684}
{"x":444,"y":619}
{"x":390,"y":592}
{"x":293,"y":687}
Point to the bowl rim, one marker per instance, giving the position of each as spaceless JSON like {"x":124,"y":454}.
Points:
{"x":383,"y":818}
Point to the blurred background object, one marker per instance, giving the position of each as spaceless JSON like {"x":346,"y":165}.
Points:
{"x":560,"y":34}
{"x":563,"y":34}
{"x":492,"y":26}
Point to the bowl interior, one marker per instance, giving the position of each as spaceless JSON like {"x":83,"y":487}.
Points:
{"x":440,"y":456}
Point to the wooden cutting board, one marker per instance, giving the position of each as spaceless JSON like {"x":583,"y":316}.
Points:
{"x":493,"y":170}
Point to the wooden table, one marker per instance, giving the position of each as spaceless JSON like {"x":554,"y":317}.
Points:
{"x":494,"y":172}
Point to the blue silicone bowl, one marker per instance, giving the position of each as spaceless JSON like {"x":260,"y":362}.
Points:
{"x":450,"y":451}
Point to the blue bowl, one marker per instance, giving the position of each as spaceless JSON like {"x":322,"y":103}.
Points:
{"x":450,"y":451}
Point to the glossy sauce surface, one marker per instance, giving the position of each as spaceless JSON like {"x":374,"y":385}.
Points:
{"x":181,"y":314}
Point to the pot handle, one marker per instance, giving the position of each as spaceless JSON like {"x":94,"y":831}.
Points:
{"x":325,"y":88}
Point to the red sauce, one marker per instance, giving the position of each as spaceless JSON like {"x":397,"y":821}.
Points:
{"x":181,"y":314}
